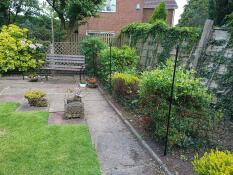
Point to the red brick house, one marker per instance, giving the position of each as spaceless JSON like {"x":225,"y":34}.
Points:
{"x":119,"y":13}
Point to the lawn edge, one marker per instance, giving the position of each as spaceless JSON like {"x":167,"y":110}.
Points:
{"x":143,"y":143}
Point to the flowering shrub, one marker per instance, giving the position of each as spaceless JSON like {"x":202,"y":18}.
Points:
{"x":192,"y":118}
{"x":214,"y":163}
{"x":17,"y":52}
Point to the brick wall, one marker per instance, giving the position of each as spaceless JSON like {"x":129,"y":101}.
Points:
{"x":148,"y":12}
{"x":113,"y":21}
{"x":125,"y":13}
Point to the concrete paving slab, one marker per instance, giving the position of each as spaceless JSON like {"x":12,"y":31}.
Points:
{"x":118,"y":150}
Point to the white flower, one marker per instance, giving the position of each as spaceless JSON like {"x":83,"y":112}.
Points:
{"x":32,"y":46}
{"x":23,"y":41}
{"x":39,"y":45}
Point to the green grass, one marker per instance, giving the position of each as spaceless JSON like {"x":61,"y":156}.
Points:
{"x":28,"y":145}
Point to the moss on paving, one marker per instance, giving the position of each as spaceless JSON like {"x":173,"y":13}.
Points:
{"x":28,"y":145}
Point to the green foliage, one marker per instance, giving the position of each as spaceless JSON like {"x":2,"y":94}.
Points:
{"x":124,"y":58}
{"x":160,"y":13}
{"x":219,"y":9}
{"x":162,"y":35}
{"x":73,"y":12}
{"x":226,"y":82}
{"x":36,"y":98}
{"x":195,"y":13}
{"x":34,"y":94}
{"x":40,"y":27}
{"x":4,"y":7}
{"x":191,"y":105}
{"x":214,"y":163}
{"x":91,"y":47}
{"x":209,"y":69}
{"x":229,"y":20}
{"x":17,"y":52}
{"x":125,"y":88}
{"x":11,"y":10}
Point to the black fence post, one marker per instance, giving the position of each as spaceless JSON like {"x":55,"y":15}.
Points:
{"x":94,"y":52}
{"x":171,"y":99}
{"x":110,"y":65}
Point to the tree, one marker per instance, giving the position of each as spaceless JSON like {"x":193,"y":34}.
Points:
{"x":4,"y":12}
{"x":195,"y":13}
{"x":40,"y":27}
{"x":10,"y":10}
{"x":73,"y":12}
{"x":23,"y":7}
{"x":160,"y":13}
{"x":219,"y":9}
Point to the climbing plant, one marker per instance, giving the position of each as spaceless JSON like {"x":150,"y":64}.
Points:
{"x":217,"y":69}
{"x":162,"y":35}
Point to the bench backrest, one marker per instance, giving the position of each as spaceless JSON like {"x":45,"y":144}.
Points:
{"x":65,"y":61}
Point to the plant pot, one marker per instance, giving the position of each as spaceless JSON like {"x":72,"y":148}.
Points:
{"x":90,"y":85}
{"x":83,"y":85}
{"x":33,"y":78}
{"x":43,"y":102}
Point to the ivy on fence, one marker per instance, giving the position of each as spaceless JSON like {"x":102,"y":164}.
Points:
{"x":162,"y":35}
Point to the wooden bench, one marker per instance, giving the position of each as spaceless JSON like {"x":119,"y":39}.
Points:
{"x":71,"y":63}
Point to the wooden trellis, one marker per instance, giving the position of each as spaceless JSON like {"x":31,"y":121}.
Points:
{"x":65,"y":48}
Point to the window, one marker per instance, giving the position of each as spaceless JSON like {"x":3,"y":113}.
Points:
{"x":109,"y":6}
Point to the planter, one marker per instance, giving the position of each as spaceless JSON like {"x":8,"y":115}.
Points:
{"x":42,"y":102}
{"x":36,"y":98}
{"x":92,"y":85}
{"x":83,"y":85}
{"x":74,"y":108}
{"x":33,"y":78}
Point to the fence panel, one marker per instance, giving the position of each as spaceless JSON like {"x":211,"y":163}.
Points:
{"x":65,"y":48}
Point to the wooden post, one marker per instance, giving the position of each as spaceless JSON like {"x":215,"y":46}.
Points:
{"x":203,"y":41}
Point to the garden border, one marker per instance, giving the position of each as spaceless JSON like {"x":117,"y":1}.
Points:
{"x":135,"y":133}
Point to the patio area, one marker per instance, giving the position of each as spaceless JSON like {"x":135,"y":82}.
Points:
{"x":118,"y":150}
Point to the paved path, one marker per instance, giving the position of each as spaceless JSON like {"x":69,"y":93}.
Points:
{"x":118,"y":150}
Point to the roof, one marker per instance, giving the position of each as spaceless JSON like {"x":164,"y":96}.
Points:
{"x":170,"y":4}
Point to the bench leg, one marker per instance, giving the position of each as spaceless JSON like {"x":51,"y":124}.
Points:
{"x":83,"y":74}
{"x":46,"y":75}
{"x":23,"y":75}
{"x":80,"y":75}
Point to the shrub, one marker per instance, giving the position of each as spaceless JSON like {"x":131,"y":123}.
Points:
{"x":17,"y":52}
{"x":125,"y":87}
{"x":191,"y":118}
{"x":123,"y":59}
{"x":36,"y":98}
{"x":91,"y":47}
{"x":160,"y":13}
{"x":214,"y":163}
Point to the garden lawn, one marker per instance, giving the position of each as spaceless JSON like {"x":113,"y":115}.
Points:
{"x":28,"y":145}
